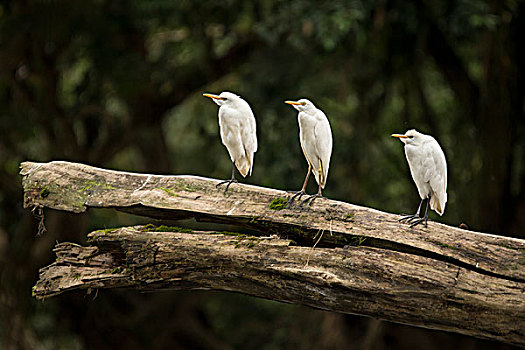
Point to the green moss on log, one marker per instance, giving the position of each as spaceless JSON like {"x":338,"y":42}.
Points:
{"x":105,"y":231}
{"x":44,"y":192}
{"x":169,"y":191}
{"x":278,"y":203}
{"x":90,"y":184}
{"x":164,"y":228}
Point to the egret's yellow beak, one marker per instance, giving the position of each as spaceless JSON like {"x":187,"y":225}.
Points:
{"x":294,"y":103}
{"x":400,"y":136}
{"x":217,"y":97}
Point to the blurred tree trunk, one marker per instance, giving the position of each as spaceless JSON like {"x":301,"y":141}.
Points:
{"x":499,"y":115}
{"x":494,"y":107}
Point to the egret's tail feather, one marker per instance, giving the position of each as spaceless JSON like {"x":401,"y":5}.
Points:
{"x":438,"y":204}
{"x":244,"y":166}
{"x":250,"y":157}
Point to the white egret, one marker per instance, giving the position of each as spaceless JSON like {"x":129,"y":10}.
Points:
{"x":316,"y":142}
{"x":237,"y":128}
{"x":428,"y":167}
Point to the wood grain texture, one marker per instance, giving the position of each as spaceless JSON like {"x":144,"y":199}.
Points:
{"x":386,"y":284}
{"x":366,"y":263}
{"x":77,"y":187}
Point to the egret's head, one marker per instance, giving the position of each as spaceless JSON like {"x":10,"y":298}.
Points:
{"x":224,"y":98}
{"x":411,"y":137}
{"x":303,"y":105}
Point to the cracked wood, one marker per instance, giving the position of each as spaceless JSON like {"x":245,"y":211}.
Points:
{"x":381,"y":283}
{"x":77,"y":187}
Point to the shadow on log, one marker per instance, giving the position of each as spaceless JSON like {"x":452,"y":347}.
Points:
{"x":366,"y":263}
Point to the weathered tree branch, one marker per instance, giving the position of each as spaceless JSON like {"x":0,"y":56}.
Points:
{"x":391,"y":285}
{"x":366,"y":263}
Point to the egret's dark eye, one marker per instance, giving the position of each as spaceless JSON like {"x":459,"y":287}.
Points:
{"x":411,"y":136}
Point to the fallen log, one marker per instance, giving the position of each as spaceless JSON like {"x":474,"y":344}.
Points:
{"x":366,"y":262}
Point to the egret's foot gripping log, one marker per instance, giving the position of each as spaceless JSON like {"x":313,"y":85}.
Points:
{"x":227,"y":182}
{"x":419,"y":221}
{"x":409,"y":218}
{"x":311,"y":198}
{"x":295,"y":195}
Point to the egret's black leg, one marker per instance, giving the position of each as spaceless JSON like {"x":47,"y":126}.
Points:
{"x":303,"y":189}
{"x":311,"y":198}
{"x":416,"y":216}
{"x":424,"y":219}
{"x":426,"y":211}
{"x":230,"y":181}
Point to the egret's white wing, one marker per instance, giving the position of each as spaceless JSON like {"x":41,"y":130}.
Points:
{"x":418,"y":162}
{"x":248,"y":136}
{"x":323,"y":147}
{"x":428,"y":165}
{"x":307,"y":138}
{"x":253,"y":133}
{"x":230,"y":129}
{"x":438,"y":179}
